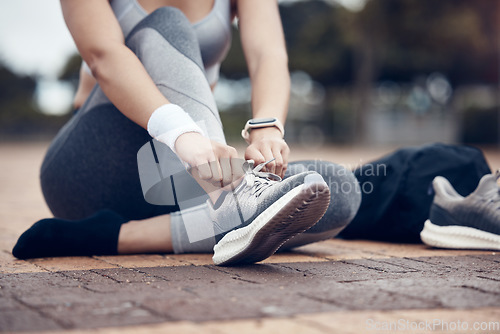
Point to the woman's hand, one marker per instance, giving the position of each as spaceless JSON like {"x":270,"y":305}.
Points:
{"x":212,"y":162}
{"x":266,"y":144}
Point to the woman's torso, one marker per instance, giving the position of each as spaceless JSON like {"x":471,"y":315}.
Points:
{"x":213,"y":29}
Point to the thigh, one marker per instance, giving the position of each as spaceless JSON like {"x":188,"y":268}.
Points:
{"x":92,"y":165}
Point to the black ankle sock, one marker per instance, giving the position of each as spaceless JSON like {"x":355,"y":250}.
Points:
{"x":95,"y":235}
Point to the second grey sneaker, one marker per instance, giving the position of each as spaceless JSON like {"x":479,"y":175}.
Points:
{"x":263,"y":212}
{"x":458,"y":222}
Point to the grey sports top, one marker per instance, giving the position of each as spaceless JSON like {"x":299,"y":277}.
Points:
{"x":213,"y":31}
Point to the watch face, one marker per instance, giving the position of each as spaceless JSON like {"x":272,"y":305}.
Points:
{"x":262,"y":121}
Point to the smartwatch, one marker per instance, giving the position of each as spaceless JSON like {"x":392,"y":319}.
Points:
{"x":256,"y":123}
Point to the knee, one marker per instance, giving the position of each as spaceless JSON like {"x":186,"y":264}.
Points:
{"x":166,"y":25}
{"x":344,"y":191}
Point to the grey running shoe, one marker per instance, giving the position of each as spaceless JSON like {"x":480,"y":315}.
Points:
{"x":471,"y":222}
{"x":263,"y":212}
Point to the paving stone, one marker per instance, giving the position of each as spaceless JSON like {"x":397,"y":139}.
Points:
{"x":294,"y":257}
{"x":7,"y":302}
{"x":494,"y":256}
{"x":58,"y":296}
{"x":25,"y":320}
{"x":184,"y":273}
{"x":10,"y":265}
{"x":417,"y":264}
{"x":494,"y":276}
{"x":126,"y":275}
{"x":267,"y":274}
{"x":351,"y":296}
{"x":70,"y":263}
{"x":194,"y":259}
{"x":104,"y":313}
{"x":484,"y":283}
{"x":378,"y":248}
{"x":330,"y":250}
{"x":143,"y":260}
{"x":470,"y":263}
{"x":339,"y":271}
{"x":446,"y":293}
{"x":381,"y":266}
{"x":221,"y":296}
{"x":242,"y":299}
{"x":35,"y":282}
{"x":126,"y":289}
{"x":87,"y":276}
{"x":225,"y":306}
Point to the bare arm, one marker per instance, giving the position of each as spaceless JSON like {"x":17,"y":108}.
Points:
{"x":100,"y":41}
{"x":265,"y":52}
{"x":85,"y":86}
{"x":124,"y":80}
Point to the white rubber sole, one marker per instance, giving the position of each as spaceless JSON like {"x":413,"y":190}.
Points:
{"x":458,"y":237}
{"x":293,"y":213}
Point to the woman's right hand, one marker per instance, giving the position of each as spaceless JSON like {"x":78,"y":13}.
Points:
{"x":213,"y":162}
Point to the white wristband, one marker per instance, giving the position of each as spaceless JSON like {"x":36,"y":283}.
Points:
{"x":170,"y":121}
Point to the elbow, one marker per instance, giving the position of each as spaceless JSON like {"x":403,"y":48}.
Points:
{"x":98,"y":58}
{"x":282,"y":56}
{"x":96,"y":61}
{"x":278,"y":56}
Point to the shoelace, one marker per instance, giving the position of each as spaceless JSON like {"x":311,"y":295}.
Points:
{"x":256,"y":180}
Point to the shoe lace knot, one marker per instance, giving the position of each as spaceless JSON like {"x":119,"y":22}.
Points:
{"x":258,"y":181}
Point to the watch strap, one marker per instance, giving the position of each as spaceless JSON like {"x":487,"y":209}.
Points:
{"x":274,"y":122}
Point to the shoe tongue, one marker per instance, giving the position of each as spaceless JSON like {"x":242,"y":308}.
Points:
{"x":487,"y":185}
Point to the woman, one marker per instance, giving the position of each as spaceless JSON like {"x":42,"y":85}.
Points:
{"x":155,"y":64}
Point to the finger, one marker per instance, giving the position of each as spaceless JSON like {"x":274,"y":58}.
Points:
{"x":227,"y":173}
{"x":204,"y":171}
{"x":216,"y":172}
{"x":278,"y":161}
{"x":268,"y":155}
{"x":254,"y":154}
{"x":233,"y":153}
{"x":285,"y":153}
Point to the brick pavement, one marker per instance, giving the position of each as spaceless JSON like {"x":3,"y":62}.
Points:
{"x":334,"y":286}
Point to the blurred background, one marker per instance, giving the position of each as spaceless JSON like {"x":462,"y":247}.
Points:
{"x":364,"y":72}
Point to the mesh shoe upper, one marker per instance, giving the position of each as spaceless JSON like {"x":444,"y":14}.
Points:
{"x":480,"y":210}
{"x":251,"y":197}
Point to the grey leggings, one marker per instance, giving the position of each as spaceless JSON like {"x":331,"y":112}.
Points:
{"x":92,"y":164}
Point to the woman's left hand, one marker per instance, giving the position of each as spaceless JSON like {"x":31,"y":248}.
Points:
{"x":266,"y":144}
